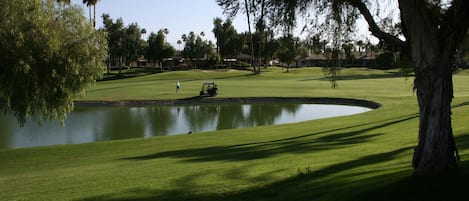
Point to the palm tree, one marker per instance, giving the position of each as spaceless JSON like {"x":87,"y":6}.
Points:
{"x":143,"y":32}
{"x":179,"y":44}
{"x":93,"y":3}
{"x":88,"y":4}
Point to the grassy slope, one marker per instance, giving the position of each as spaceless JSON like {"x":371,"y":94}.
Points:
{"x":359,"y":157}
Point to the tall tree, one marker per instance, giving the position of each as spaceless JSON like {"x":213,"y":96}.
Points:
{"x":133,"y":43}
{"x":49,"y":56}
{"x":158,"y":48}
{"x":115,"y":34}
{"x":217,"y":31}
{"x":251,"y":41}
{"x":249,"y":8}
{"x":86,"y":2}
{"x":260,"y":30}
{"x":196,"y":47}
{"x":228,"y":41}
{"x":271,"y":46}
{"x":143,"y":32}
{"x":92,"y":3}
{"x":288,"y":50}
{"x":125,"y":43}
{"x":179,"y":42}
{"x":431,"y":30}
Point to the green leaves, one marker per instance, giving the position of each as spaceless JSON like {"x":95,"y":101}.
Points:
{"x":158,"y":48}
{"x":195,"y":46}
{"x":50,"y":55}
{"x":125,"y":43}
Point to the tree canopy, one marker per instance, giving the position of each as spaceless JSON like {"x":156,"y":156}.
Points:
{"x":196,"y":47}
{"x":288,"y":50}
{"x":158,"y":49}
{"x":125,"y":43}
{"x":49,"y":55}
{"x":90,"y":3}
{"x":229,"y":43}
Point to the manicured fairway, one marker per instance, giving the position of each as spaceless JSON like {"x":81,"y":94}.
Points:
{"x":360,"y":157}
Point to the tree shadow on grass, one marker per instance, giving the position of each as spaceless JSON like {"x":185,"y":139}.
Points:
{"x":463,"y":104}
{"x":334,"y":182}
{"x":462,"y":141}
{"x":129,"y":74}
{"x":317,"y":185}
{"x":330,"y":183}
{"x":428,"y":188}
{"x":360,"y":77}
{"x":370,"y":76}
{"x":410,"y":187}
{"x":341,"y":137}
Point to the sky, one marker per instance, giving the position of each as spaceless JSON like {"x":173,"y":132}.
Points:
{"x":178,"y":16}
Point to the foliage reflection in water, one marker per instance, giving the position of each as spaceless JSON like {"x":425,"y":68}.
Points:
{"x":90,"y":124}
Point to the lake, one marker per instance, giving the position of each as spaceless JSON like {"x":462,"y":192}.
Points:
{"x":91,"y":124}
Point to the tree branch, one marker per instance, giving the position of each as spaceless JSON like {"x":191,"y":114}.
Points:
{"x":374,"y":28}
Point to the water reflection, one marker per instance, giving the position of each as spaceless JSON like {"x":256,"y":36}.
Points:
{"x":231,"y":116}
{"x":117,"y":121}
{"x":89,"y":124}
{"x":160,"y":119}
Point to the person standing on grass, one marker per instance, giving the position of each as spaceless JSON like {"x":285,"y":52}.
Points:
{"x":178,"y":85}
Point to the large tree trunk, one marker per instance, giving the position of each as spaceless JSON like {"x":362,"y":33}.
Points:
{"x":432,"y":50}
{"x":436,"y":152}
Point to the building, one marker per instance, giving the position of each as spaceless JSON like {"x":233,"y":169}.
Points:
{"x":356,"y":59}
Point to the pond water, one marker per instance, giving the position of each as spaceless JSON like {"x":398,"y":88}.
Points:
{"x":90,"y":124}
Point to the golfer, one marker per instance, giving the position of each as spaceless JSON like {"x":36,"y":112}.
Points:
{"x":178,"y":85}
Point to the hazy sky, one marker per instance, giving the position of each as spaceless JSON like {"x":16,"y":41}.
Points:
{"x":178,"y":16}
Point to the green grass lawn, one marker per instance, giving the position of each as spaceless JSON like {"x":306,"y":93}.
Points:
{"x":359,"y":157}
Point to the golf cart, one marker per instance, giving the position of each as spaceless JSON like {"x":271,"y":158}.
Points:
{"x":209,"y":89}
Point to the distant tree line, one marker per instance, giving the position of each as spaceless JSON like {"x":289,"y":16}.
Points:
{"x":126,"y":44}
